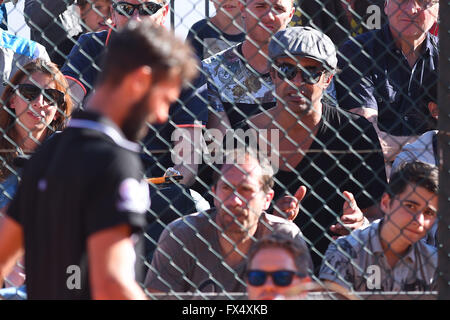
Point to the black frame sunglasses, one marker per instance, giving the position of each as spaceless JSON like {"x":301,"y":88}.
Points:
{"x":310,"y":75}
{"x":144,"y":9}
{"x":281,"y":278}
{"x":30,"y":92}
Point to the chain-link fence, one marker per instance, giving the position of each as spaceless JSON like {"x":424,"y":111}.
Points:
{"x":343,"y":115}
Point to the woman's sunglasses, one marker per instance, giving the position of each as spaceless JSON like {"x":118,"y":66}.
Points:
{"x":310,"y":75}
{"x":281,"y":278}
{"x":30,"y":92}
{"x":144,"y":9}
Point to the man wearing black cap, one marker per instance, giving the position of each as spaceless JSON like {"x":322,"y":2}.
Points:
{"x":326,"y":155}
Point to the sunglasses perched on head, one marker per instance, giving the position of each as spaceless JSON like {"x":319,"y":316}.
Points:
{"x":144,"y":9}
{"x":281,"y":278}
{"x":310,"y":75}
{"x":30,"y":92}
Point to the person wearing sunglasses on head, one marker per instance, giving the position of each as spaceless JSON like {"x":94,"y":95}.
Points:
{"x":36,"y":105}
{"x":322,"y":151}
{"x":276,"y":266}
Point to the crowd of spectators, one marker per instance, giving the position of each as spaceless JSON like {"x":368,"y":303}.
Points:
{"x":345,"y":190}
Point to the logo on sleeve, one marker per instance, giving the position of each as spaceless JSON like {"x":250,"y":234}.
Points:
{"x":133,"y":196}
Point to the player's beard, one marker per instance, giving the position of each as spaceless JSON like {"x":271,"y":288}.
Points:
{"x":134,"y":126}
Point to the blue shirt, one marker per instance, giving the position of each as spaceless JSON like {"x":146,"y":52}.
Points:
{"x":83,"y":66}
{"x":375,"y":74}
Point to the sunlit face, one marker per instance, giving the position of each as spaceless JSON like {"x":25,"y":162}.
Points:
{"x":158,"y":18}
{"x":411,"y":213}
{"x":228,"y":7}
{"x":96,"y":14}
{"x":263,"y":18}
{"x":298,"y":95}
{"x":239,"y":196}
{"x":273,"y":259}
{"x":409,"y":19}
{"x":37,"y":114}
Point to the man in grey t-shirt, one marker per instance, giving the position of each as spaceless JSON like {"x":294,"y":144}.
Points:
{"x":207,"y":251}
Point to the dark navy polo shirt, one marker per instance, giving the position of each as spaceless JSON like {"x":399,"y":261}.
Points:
{"x":375,"y":74}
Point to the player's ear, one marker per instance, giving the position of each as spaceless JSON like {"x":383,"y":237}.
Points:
{"x":138,"y":82}
{"x":385,"y":202}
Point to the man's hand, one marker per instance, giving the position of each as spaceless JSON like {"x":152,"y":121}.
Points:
{"x":352,"y":217}
{"x":288,"y":206}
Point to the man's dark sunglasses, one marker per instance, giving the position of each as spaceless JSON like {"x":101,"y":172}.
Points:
{"x":144,"y":9}
{"x":30,"y":92}
{"x":310,"y":75}
{"x":281,"y":278}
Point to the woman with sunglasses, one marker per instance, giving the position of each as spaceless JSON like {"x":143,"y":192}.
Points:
{"x":35,"y":104}
{"x":277,"y":267}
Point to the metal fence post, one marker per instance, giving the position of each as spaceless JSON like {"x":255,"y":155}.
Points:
{"x":444,"y":141}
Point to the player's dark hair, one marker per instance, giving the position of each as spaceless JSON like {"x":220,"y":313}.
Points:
{"x":142,"y":43}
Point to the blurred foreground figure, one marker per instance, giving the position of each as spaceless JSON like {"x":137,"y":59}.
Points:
{"x":79,"y":226}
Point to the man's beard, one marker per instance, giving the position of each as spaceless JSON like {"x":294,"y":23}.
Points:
{"x":134,"y":126}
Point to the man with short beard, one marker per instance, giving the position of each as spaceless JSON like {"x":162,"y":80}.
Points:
{"x":206,"y":251}
{"x":83,"y":200}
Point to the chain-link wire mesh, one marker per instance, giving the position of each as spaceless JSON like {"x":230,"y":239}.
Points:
{"x":334,"y":125}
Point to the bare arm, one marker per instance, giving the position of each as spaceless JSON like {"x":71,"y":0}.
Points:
{"x":111,"y":265}
{"x":11,"y":246}
{"x":391,"y":145}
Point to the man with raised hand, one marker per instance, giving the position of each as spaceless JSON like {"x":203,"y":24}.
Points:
{"x":206,"y":251}
{"x":388,"y":254}
{"x":320,"y":150}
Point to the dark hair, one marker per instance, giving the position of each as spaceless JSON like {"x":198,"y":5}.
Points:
{"x":418,"y":173}
{"x":267,"y":171}
{"x":146,"y":44}
{"x":295,"y":246}
{"x":7,"y":118}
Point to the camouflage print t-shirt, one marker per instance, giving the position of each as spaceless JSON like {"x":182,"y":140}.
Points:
{"x":357,"y":261}
{"x":234,"y":87}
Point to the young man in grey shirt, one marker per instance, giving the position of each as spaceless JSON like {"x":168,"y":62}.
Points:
{"x":388,"y":254}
